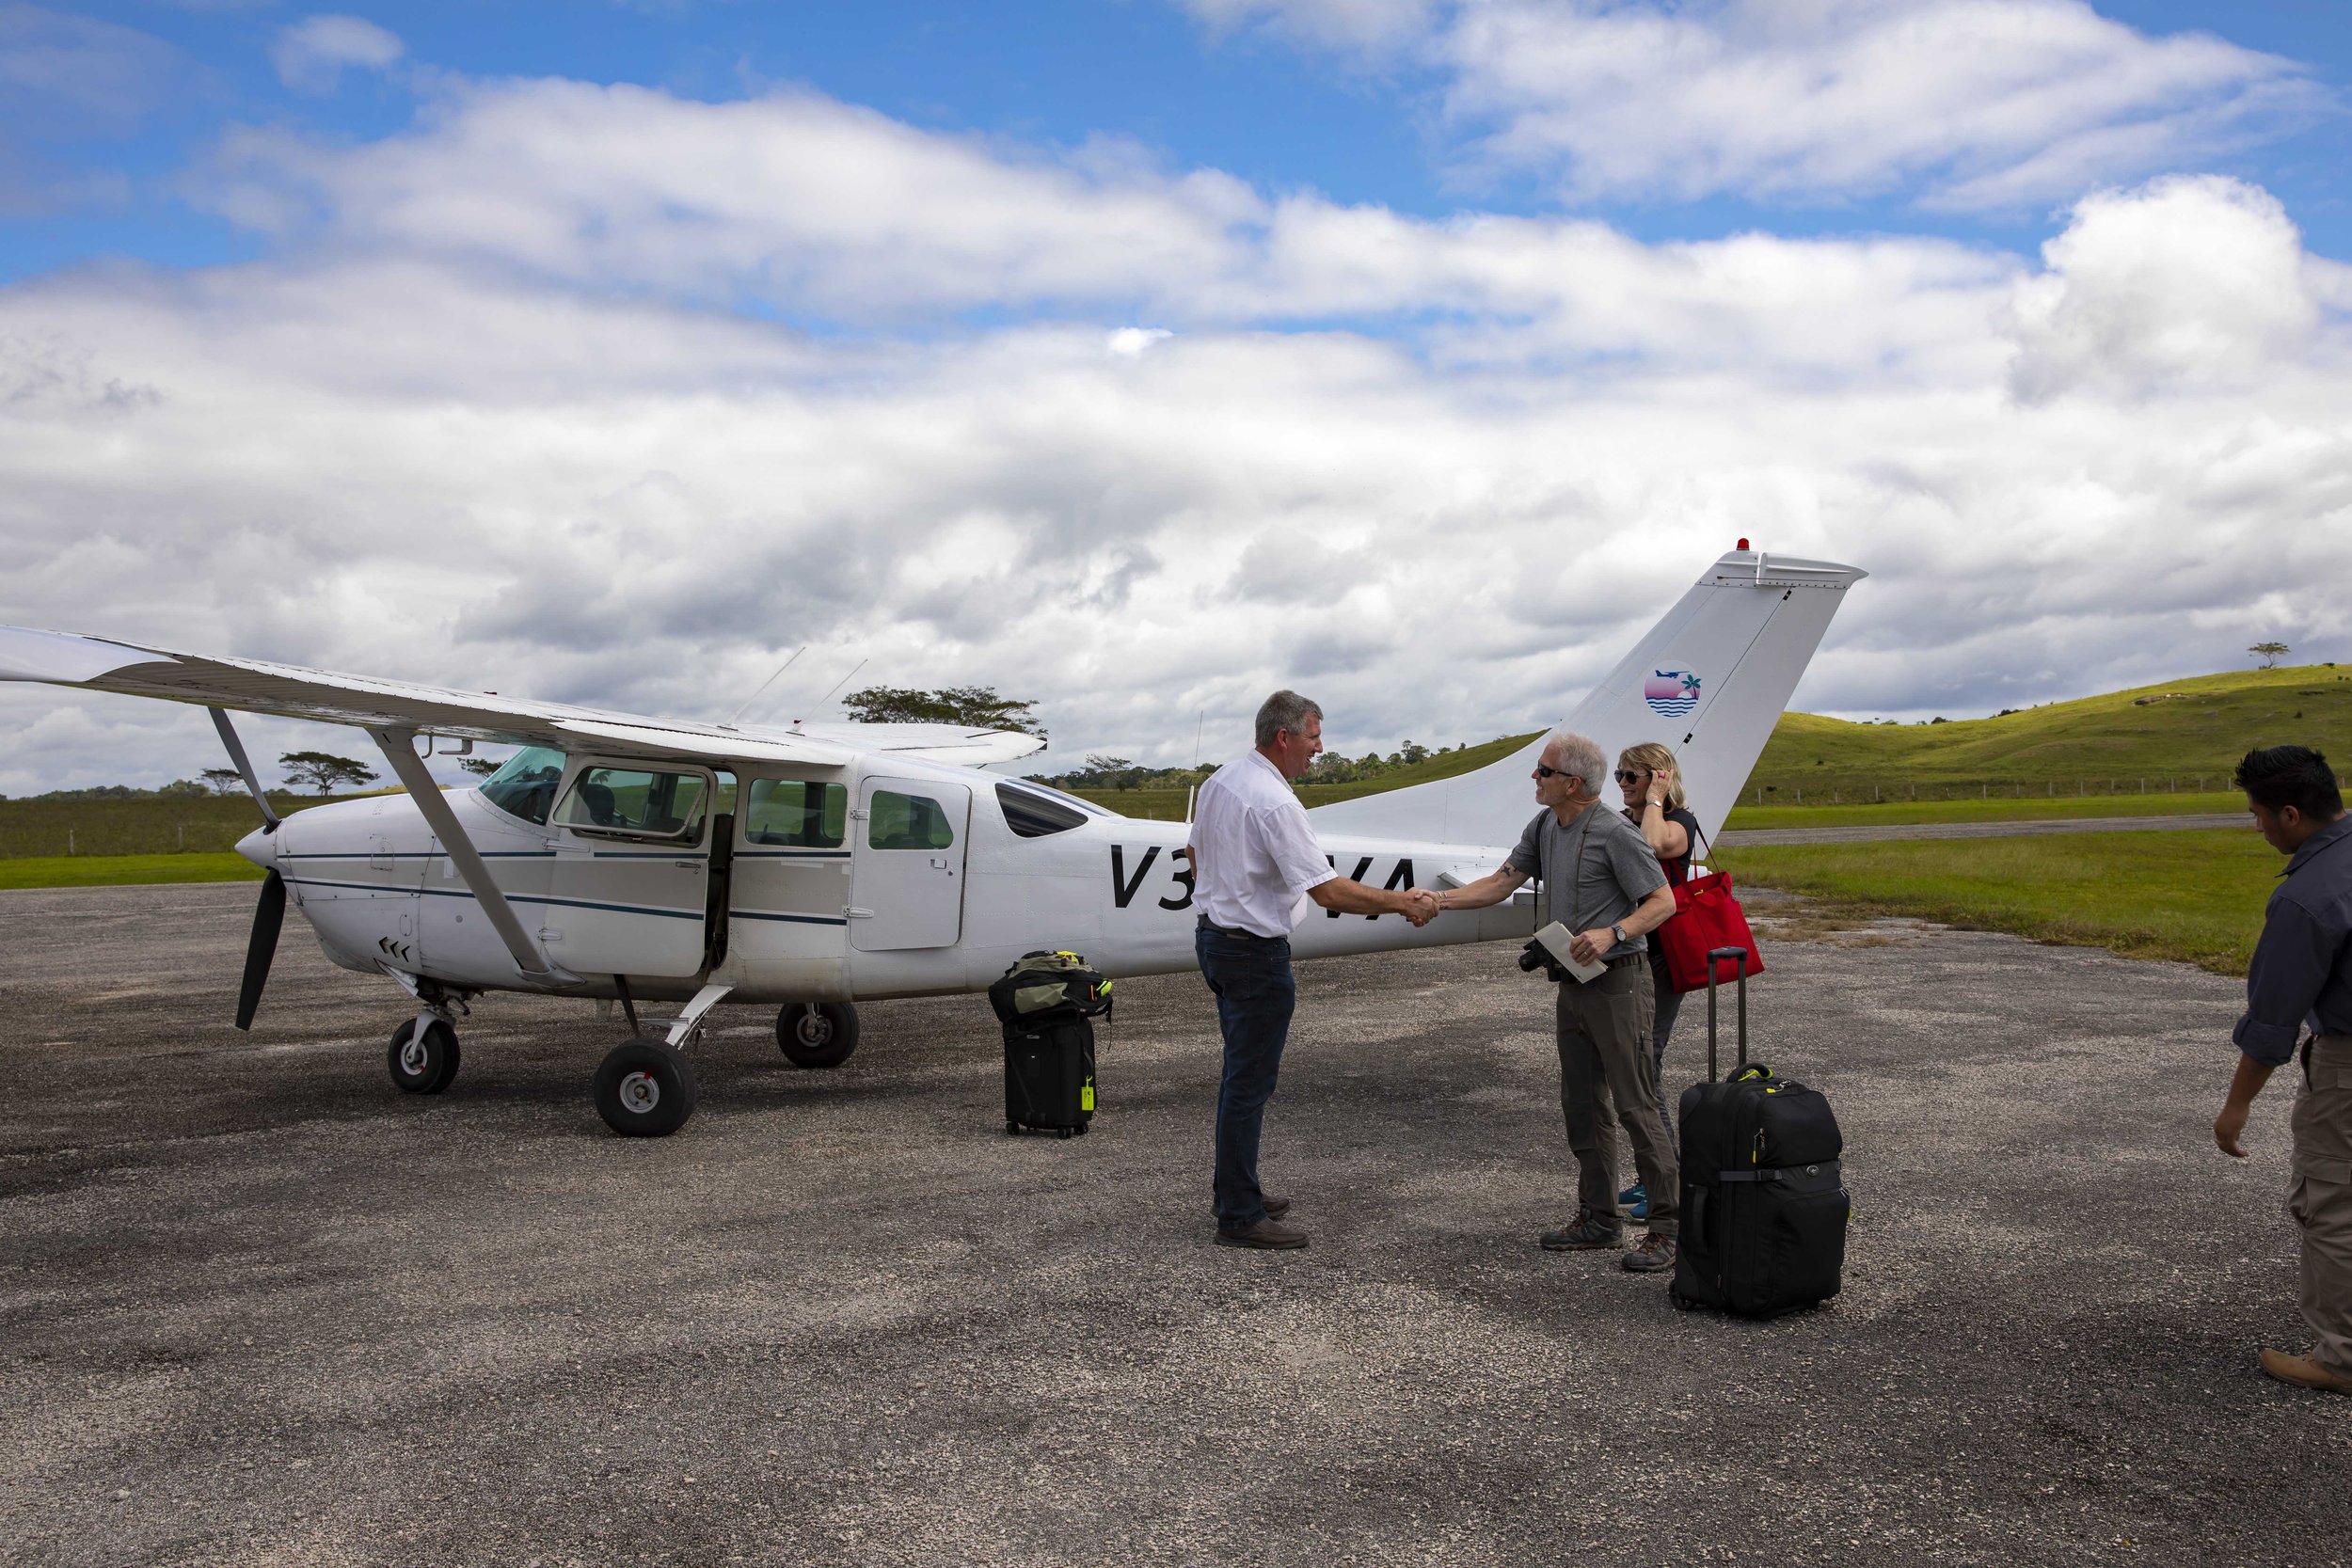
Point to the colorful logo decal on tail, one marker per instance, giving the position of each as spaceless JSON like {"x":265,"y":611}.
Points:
{"x":1672,"y":692}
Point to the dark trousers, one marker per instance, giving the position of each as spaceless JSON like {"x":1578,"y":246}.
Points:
{"x":1608,"y":1079}
{"x":1252,"y":978}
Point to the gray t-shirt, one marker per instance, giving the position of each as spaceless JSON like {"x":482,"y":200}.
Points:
{"x":1615,"y":870}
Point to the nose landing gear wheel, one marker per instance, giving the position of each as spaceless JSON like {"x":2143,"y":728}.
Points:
{"x":816,"y":1033}
{"x":645,"y":1090}
{"x":422,"y":1066}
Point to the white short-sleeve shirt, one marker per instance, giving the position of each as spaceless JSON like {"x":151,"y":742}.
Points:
{"x":1253,"y":853}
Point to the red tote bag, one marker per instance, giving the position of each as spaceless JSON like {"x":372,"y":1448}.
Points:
{"x":1705,"y":917}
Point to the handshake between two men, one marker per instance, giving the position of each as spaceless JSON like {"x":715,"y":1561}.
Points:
{"x":1422,"y":905}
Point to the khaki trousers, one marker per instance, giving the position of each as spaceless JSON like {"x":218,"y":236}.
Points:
{"x":1608,"y":1078}
{"x":2321,"y":1198}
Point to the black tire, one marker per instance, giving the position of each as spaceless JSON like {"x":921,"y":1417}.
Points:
{"x":429,"y":1067}
{"x":644,"y":1089}
{"x":816,"y":1033}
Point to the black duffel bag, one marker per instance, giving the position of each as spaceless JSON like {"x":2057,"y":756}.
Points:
{"x":1044,"y":986}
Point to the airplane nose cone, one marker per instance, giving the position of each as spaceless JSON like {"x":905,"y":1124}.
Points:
{"x":260,"y":846}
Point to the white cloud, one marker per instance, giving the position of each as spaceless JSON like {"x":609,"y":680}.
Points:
{"x":549,"y":453}
{"x":1960,"y":103}
{"x":312,"y":54}
{"x":1129,"y":342}
{"x":2202,"y":280}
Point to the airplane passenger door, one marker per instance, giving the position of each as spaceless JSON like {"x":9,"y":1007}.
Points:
{"x":631,"y":878}
{"x":906,"y":885}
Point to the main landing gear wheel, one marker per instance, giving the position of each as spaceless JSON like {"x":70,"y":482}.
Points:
{"x":422,"y":1066}
{"x":816,"y":1033}
{"x":645,"y":1090}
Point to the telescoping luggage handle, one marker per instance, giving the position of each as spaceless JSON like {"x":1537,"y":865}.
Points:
{"x":1712,"y":959}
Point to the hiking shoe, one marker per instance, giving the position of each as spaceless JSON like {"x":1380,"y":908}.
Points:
{"x":1633,"y":1203}
{"x":1655,"y":1253}
{"x":1590,"y":1234}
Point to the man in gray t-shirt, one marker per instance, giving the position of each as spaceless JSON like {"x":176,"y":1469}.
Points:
{"x":1602,"y":882}
{"x":1616,"y":869}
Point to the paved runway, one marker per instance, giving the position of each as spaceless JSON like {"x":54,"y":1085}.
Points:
{"x":258,"y":1308}
{"x":1875,"y":834}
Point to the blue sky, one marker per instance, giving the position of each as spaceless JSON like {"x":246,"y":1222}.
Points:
{"x":620,"y":349}
{"x":1245,"y":97}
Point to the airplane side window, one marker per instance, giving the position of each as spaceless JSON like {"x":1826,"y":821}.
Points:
{"x":525,"y":786}
{"x":796,"y":812}
{"x":1034,"y":815}
{"x":639,"y":802}
{"x":908,"y":822}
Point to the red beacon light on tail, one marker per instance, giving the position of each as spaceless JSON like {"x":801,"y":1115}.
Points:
{"x":1744,"y":544}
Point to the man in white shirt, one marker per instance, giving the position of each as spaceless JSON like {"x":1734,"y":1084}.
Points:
{"x":1254,"y":863}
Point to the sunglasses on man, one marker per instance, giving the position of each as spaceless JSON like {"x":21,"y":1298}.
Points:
{"x":1542,"y":773}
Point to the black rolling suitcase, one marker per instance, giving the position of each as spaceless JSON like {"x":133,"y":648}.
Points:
{"x":1049,"y":1076}
{"x":1764,"y":1204}
{"x":1047,"y":1003}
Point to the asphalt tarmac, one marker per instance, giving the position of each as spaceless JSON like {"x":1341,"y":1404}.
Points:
{"x":260,"y":1307}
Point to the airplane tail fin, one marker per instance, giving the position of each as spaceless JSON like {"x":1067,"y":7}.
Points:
{"x":1709,"y":681}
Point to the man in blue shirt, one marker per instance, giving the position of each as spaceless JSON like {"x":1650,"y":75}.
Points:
{"x":2301,"y":974}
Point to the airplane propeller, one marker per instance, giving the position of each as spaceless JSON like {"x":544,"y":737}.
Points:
{"x":268,"y":915}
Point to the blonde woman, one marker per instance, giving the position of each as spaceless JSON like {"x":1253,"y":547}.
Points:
{"x":1652,"y":787}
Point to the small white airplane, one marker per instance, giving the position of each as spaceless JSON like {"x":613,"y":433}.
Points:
{"x":624,"y":858}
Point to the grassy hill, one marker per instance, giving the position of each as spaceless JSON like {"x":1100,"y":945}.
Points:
{"x":2179,"y":737}
{"x":2182,"y":735}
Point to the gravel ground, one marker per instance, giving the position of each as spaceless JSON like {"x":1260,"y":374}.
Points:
{"x":260,"y":1307}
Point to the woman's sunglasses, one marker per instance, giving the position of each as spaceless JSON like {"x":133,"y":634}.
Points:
{"x":1625,"y":776}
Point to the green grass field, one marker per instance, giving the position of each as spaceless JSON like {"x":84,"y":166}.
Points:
{"x":125,"y":870}
{"x":153,"y":825}
{"x":2196,"y":895}
{"x":1998,"y":809}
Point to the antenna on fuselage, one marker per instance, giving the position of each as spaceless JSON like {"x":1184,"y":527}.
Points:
{"x":838,"y":684}
{"x":763,"y":686}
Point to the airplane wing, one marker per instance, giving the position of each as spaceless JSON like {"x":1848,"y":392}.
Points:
{"x":954,"y":743}
{"x":251,"y":685}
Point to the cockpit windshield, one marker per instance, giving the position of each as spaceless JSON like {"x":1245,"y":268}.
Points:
{"x":525,"y":787}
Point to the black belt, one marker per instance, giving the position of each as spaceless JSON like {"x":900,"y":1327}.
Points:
{"x":1208,"y":924}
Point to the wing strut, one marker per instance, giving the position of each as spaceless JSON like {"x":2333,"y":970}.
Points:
{"x":400,"y":750}
{"x":236,"y":755}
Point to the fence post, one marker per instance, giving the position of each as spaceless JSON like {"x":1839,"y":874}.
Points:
{"x":69,"y":841}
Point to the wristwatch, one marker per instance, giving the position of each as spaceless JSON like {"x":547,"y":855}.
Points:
{"x":1618,"y":932}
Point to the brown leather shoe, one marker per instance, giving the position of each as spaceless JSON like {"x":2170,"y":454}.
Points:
{"x":1276,"y":1206}
{"x":1264,"y":1235}
{"x":2303,"y":1372}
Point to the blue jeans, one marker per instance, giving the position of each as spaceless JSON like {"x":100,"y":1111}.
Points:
{"x":1252,"y":978}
